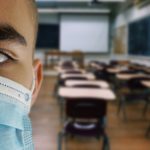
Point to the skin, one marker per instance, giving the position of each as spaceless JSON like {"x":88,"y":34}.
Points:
{"x":15,"y":13}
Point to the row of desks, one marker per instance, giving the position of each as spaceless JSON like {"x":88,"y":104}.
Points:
{"x":119,"y":76}
{"x":91,"y":80}
{"x":103,"y":91}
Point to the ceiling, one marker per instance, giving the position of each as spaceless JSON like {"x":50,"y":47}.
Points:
{"x":79,"y":4}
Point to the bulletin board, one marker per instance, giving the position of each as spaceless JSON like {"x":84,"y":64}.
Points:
{"x":120,"y":40}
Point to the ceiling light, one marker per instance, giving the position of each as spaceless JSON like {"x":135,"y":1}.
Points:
{"x":63,"y":10}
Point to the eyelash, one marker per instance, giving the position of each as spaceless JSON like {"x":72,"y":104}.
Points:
{"x":3,"y":52}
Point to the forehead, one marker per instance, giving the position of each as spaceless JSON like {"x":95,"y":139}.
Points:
{"x":16,"y":14}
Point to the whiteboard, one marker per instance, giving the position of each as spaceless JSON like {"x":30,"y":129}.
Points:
{"x":89,"y":33}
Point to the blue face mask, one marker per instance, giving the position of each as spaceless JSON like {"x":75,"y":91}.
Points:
{"x":15,"y":125}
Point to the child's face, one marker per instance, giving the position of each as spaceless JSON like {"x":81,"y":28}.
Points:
{"x":16,"y":41}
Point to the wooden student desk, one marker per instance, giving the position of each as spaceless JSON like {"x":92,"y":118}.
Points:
{"x":116,"y":70}
{"x":96,"y":66}
{"x":89,"y":76}
{"x":147,"y":70}
{"x":101,"y":84}
{"x":68,"y":93}
{"x":126,"y":76}
{"x":102,"y":94}
{"x":146,"y":83}
{"x":61,"y":71}
{"x":113,"y":70}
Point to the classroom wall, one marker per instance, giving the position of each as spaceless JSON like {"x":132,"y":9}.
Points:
{"x":48,"y":18}
{"x":123,"y":18}
{"x":131,"y":15}
{"x":126,"y":17}
{"x":104,"y":58}
{"x":55,"y":19}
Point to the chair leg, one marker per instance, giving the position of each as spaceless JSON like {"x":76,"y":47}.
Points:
{"x":122,"y":106}
{"x":146,"y":107}
{"x":148,"y":132}
{"x":106,"y":144}
{"x":124,"y":110}
{"x":60,"y":136}
{"x":104,"y":122}
{"x":60,"y":140}
{"x":55,"y":94}
{"x":119,"y":107}
{"x":62,"y":108}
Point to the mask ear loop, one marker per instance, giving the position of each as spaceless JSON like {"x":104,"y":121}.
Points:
{"x":32,"y":87}
{"x":33,"y":83}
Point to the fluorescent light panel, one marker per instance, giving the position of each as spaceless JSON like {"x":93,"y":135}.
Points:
{"x":79,"y":0}
{"x":73,"y":10}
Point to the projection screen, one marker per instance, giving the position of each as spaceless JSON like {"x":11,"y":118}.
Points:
{"x":89,"y":33}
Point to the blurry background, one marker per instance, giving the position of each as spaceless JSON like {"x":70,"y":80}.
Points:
{"x":103,"y":31}
{"x":104,"y":20}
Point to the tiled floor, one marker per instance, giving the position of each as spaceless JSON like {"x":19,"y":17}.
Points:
{"x":128,"y":135}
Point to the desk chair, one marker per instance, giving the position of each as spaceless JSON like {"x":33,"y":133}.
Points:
{"x":78,"y":56}
{"x":86,"y":118}
{"x":102,"y":75}
{"x":68,"y":65}
{"x":95,"y":66}
{"x":132,"y":91}
{"x":61,"y":81}
{"x":73,"y":72}
{"x":75,"y":76}
{"x":148,"y":132}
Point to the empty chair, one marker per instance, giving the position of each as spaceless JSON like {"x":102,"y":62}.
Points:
{"x":68,"y":65}
{"x":89,"y":85}
{"x":64,"y":77}
{"x":148,"y":132}
{"x":78,"y":56}
{"x":82,"y":111}
{"x":103,"y":74}
{"x":132,"y":91}
{"x":146,"y":83}
{"x":61,"y":82}
{"x":95,"y":66}
{"x":73,"y":71}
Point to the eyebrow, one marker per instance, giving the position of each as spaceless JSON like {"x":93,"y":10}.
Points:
{"x":8,"y":33}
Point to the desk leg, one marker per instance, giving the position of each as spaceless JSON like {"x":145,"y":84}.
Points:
{"x":46,"y":59}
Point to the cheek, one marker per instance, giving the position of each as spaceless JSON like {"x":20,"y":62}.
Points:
{"x":20,"y":73}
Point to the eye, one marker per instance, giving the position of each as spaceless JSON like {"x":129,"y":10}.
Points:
{"x":6,"y":56}
{"x":3,"y":58}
